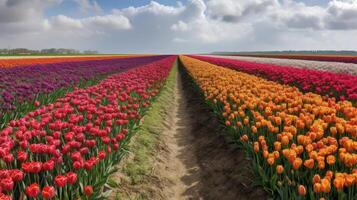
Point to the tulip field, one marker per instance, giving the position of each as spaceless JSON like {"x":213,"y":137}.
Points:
{"x":66,"y":148}
{"x":65,"y":121}
{"x":299,"y":126}
{"x":329,"y":58}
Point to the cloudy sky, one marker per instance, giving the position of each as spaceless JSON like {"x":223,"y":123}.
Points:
{"x":186,"y":26}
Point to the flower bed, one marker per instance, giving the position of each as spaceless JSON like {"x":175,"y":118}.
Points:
{"x":66,"y":150}
{"x":340,"y":86}
{"x":301,"y":145}
{"x":21,"y":86}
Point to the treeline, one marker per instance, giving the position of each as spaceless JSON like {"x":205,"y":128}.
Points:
{"x":55,"y":51}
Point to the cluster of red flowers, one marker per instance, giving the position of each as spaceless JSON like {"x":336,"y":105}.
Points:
{"x":328,"y":58}
{"x":63,"y":149}
{"x":340,"y":86}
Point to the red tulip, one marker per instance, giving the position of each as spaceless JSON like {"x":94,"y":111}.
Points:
{"x":8,"y":158}
{"x":4,"y":173}
{"x":21,"y":156}
{"x":61,"y":180}
{"x":77,"y":165}
{"x":7,"y":184}
{"x":88,"y":190}
{"x":48,"y":165}
{"x":17,"y":175}
{"x":71,"y":178}
{"x":48,"y":192}
{"x":101,"y":155}
{"x":33,"y":190}
{"x":4,"y":197}
{"x":32,"y":167}
{"x":36,"y":103}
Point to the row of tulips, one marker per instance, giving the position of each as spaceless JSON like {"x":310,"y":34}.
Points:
{"x":336,"y":67}
{"x":327,"y":58}
{"x":339,"y":86}
{"x":13,"y":62}
{"x":66,"y":150}
{"x":302,"y":145}
{"x":21,"y":86}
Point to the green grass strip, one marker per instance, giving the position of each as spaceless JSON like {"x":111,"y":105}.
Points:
{"x":145,"y":145}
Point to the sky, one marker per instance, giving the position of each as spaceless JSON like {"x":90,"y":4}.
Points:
{"x":185,"y":26}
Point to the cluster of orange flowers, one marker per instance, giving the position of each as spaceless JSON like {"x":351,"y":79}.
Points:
{"x":289,"y":132}
{"x":12,"y":62}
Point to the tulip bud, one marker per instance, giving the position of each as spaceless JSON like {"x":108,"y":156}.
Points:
{"x":302,"y":190}
{"x":88,"y":190}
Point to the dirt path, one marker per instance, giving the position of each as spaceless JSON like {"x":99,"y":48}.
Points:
{"x":196,"y":160}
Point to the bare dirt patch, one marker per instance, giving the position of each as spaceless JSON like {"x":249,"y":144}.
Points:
{"x":196,"y":160}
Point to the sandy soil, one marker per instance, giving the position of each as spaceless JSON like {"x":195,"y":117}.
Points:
{"x":197,"y":161}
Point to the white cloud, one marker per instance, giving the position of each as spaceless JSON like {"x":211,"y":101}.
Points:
{"x":90,"y":24}
{"x":195,"y":26}
{"x":108,"y":22}
{"x":87,"y":6}
{"x":179,"y":26}
{"x":153,"y":7}
{"x":231,"y":11}
{"x":342,"y":14}
{"x":62,"y":22}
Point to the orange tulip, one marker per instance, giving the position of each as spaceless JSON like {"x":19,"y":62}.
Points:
{"x":239,"y":124}
{"x":325,"y":185}
{"x":302,"y":190}
{"x":309,"y":148}
{"x":285,"y":140}
{"x":276,"y":154}
{"x":350,"y":180}
{"x":338,"y":183}
{"x":297,"y":163}
{"x":265,"y":153}
{"x":316,"y":178}
{"x":309,"y":163}
{"x":244,"y":138}
{"x":277,"y":146}
{"x":298,"y":124}
{"x":271,"y":161}
{"x":331,"y":160}
{"x":321,"y":164}
{"x":254,"y":129}
{"x":329,"y":174}
{"x":256,"y":147}
{"x":246,"y":121}
{"x":333,"y":131}
{"x":279,"y":169}
{"x":317,"y":187}
{"x":228,"y":123}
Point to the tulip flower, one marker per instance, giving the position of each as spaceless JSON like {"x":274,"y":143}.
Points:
{"x":302,"y":190}
{"x":48,"y":192}
{"x":88,"y":190}
{"x":279,"y":169}
{"x":281,"y":124}
{"x":32,"y":190}
{"x":71,"y":177}
{"x":7,"y":184}
{"x":60,"y":180}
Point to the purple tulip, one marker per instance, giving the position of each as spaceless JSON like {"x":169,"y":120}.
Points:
{"x":22,"y":83}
